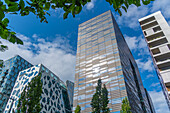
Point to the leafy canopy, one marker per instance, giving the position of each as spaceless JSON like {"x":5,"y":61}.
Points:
{"x":41,"y":8}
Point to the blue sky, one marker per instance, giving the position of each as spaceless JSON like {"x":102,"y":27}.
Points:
{"x":54,"y":44}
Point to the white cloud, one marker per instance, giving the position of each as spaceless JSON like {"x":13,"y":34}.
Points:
{"x":142,"y":43}
{"x":159,"y":102}
{"x":134,"y":13}
{"x":130,"y":18}
{"x":163,"y":6}
{"x":90,"y":5}
{"x":57,"y":12}
{"x":155,"y":84}
{"x":142,"y":47}
{"x":169,"y":23}
{"x":145,"y":65}
{"x":137,"y":43}
{"x":149,"y":76}
{"x":34,"y":35}
{"x":56,"y":55}
{"x":132,"y":42}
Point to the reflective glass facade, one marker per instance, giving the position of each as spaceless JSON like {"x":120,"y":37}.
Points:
{"x":70,"y":88}
{"x":150,"y":102}
{"x":8,"y":76}
{"x":103,"y":53}
{"x":54,"y":98}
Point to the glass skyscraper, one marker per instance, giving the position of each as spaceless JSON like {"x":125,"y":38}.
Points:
{"x":70,"y":89}
{"x":54,"y":97}
{"x":150,"y":102}
{"x":8,"y":76}
{"x":102,"y":53}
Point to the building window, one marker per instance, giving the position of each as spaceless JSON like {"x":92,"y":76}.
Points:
{"x":156,"y":29}
{"x":81,"y":79}
{"x":145,"y":33}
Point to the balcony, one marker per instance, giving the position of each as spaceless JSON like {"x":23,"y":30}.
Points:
{"x":156,"y":39}
{"x":160,"y":54}
{"x":158,"y":42}
{"x":147,"y":20}
{"x":164,"y":68}
{"x":155,"y":36}
{"x":163,"y":62}
{"x":162,"y":57}
{"x":151,"y":24}
{"x":155,"y":51}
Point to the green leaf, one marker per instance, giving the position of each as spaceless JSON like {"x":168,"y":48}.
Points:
{"x":47,"y":6}
{"x":53,"y":6}
{"x":17,"y":40}
{"x":126,"y":4}
{"x":7,"y":2}
{"x":138,"y":3}
{"x":124,"y":8}
{"x":11,"y":37}
{"x":120,"y":13}
{"x":109,"y":2}
{"x":145,"y":2}
{"x":65,"y":15}
{"x":12,"y":7}
{"x":48,"y":13}
{"x":78,"y":9}
{"x":21,"y":4}
{"x":13,"y":33}
{"x":2,"y":15}
{"x":3,"y":7}
{"x":1,"y":3}
{"x":5,"y":34}
{"x":5,"y":22}
{"x":130,"y":2}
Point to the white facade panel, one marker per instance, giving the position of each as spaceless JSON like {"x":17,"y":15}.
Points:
{"x":166,"y":77}
{"x":164,"y":49}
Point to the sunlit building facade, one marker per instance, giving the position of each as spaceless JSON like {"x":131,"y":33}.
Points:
{"x":8,"y":75}
{"x":102,"y":53}
{"x":157,"y":35}
{"x":54,"y":97}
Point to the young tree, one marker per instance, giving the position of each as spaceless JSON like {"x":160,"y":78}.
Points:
{"x":96,"y":100}
{"x":125,"y":106}
{"x":29,"y":102}
{"x":41,"y":8}
{"x":78,"y":109}
{"x":100,"y":99}
{"x":105,"y":100}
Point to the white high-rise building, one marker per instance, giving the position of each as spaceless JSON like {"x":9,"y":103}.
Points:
{"x":157,"y":35}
